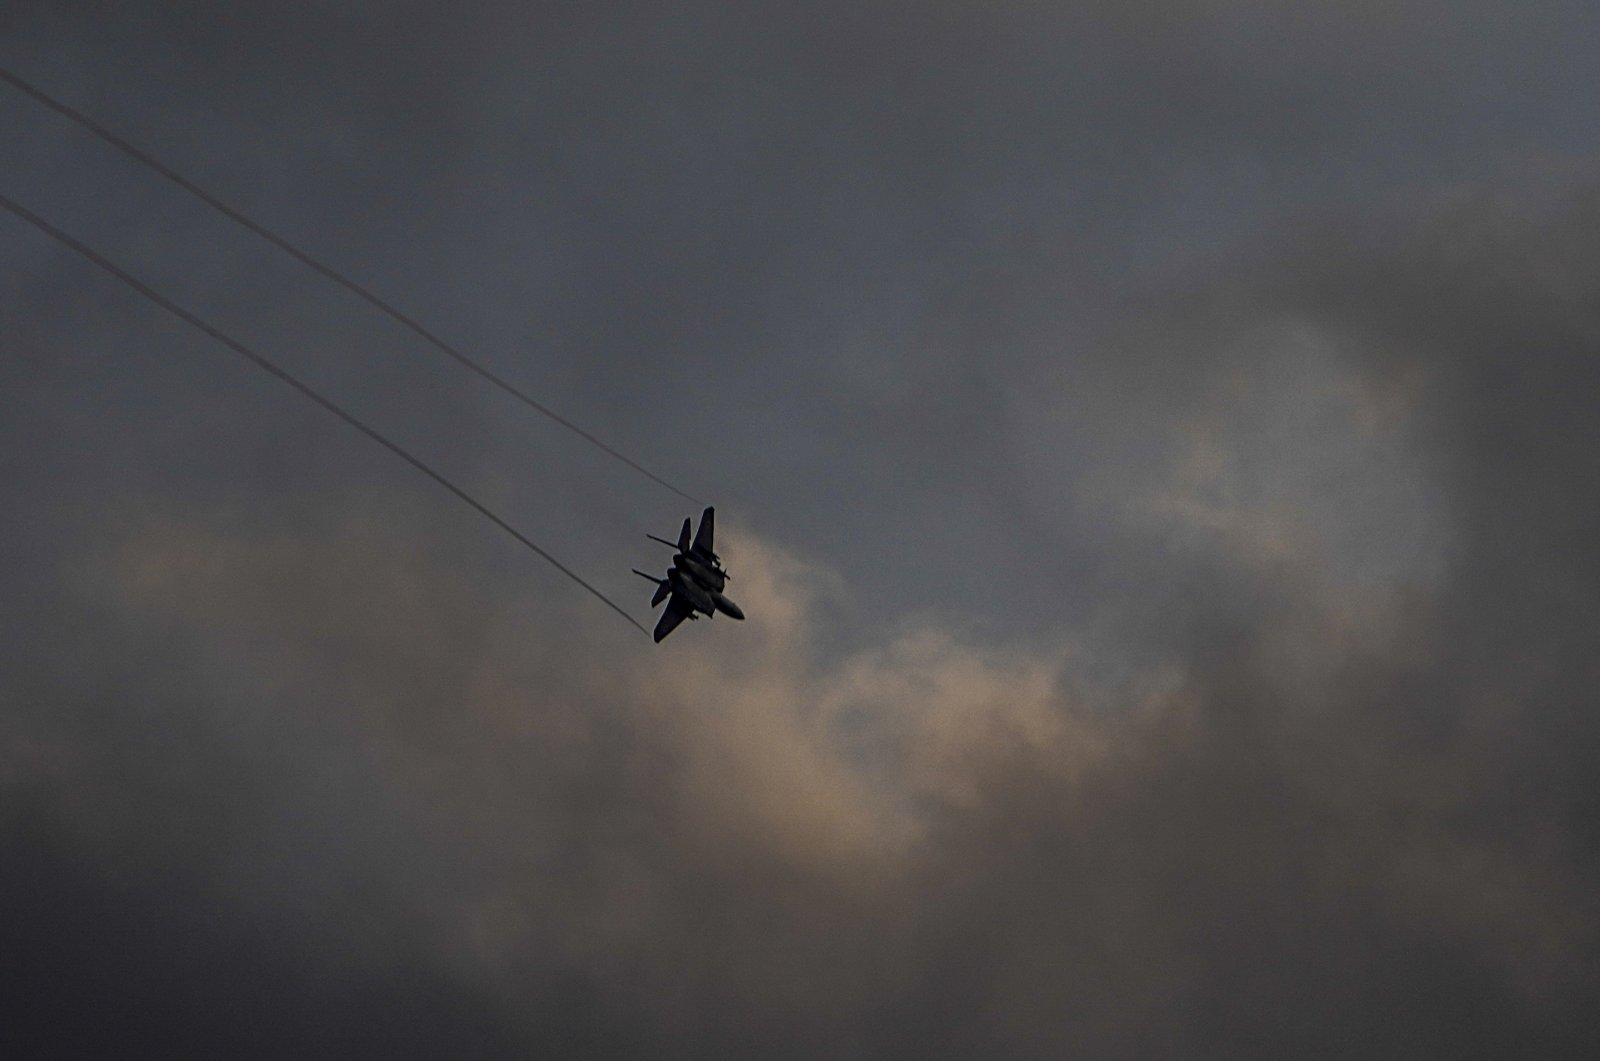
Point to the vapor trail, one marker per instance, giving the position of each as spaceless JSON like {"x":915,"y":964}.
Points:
{"x":307,"y":260}
{"x":266,"y":365}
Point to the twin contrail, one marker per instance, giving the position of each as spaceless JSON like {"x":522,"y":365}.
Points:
{"x":234,"y":215}
{"x":267,"y":365}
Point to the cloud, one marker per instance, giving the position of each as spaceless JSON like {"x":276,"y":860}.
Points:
{"x":919,"y":845}
{"x":1165,"y":535}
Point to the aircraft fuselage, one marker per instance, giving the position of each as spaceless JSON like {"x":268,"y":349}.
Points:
{"x":702,"y":586}
{"x":708,"y":576}
{"x":692,"y":592}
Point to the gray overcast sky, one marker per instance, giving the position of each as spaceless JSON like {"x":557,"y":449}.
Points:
{"x":1154,"y":443}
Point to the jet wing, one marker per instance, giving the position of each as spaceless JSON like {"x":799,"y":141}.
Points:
{"x":702,"y":537}
{"x":677,"y":611}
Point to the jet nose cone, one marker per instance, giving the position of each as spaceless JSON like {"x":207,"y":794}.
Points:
{"x":734,"y":610}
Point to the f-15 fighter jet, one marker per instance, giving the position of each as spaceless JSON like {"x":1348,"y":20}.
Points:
{"x":694,"y":585}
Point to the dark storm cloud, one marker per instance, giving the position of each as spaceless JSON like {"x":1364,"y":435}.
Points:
{"x":1191,"y":403}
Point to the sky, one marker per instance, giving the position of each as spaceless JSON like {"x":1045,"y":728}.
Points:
{"x":1154,"y":444}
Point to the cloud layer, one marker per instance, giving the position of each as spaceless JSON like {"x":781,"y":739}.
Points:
{"x":1165,"y":523}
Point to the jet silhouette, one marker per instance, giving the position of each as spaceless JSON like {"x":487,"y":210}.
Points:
{"x":694,"y":584}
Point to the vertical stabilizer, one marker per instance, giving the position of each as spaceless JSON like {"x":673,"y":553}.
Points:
{"x":703,"y":537}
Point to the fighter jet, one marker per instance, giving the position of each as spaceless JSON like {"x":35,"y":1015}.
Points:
{"x":694,"y":584}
